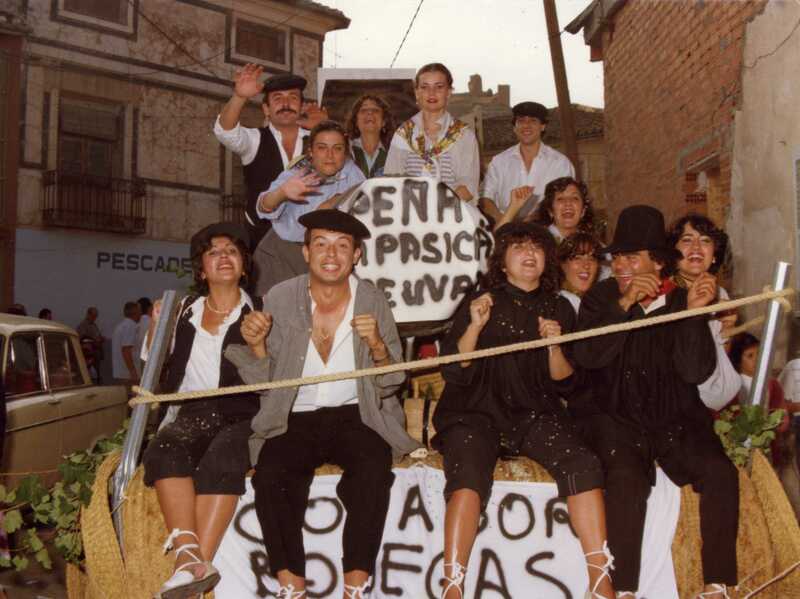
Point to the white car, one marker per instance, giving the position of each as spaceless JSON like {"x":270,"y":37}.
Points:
{"x":53,"y":407}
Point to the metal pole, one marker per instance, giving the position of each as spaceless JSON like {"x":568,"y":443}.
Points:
{"x":766,"y":349}
{"x":138,"y":422}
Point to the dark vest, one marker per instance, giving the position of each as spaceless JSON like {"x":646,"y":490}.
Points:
{"x":360,"y":158}
{"x":244,"y":404}
{"x":258,"y":176}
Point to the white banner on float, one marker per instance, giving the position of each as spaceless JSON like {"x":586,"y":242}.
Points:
{"x":426,"y":246}
{"x":526,"y":548}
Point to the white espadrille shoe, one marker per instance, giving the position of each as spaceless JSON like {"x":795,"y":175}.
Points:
{"x":182,"y":583}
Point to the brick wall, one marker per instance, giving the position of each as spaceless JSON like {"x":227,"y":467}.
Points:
{"x":672,"y":84}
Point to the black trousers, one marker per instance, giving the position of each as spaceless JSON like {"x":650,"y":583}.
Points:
{"x":689,"y":454}
{"x":284,"y":474}
{"x":470,"y":447}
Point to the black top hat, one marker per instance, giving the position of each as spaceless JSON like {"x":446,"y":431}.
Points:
{"x":234,"y":231}
{"x":640,"y":228}
{"x":284,"y":81}
{"x":335,"y":220}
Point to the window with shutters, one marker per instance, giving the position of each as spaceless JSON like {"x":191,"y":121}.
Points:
{"x":87,"y":189}
{"x":115,"y":17}
{"x":114,"y":11}
{"x":89,"y":138}
{"x":261,"y":42}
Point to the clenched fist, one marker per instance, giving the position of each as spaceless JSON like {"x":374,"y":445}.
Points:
{"x":702,"y":291}
{"x":255,"y":328}
{"x":479,"y":310}
{"x":366,"y":327}
{"x":520,"y":195}
{"x":549,"y":328}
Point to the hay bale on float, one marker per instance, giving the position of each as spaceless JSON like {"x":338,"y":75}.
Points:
{"x":768,"y":542}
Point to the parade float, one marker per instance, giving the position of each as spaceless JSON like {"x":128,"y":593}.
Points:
{"x":426,"y":250}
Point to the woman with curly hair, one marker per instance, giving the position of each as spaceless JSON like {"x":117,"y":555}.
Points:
{"x":509,"y":404}
{"x":198,"y":460}
{"x":370,"y":127}
{"x":702,"y":246}
{"x":564,"y":210}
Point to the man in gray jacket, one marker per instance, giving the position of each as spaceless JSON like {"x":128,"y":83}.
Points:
{"x":326,"y":321}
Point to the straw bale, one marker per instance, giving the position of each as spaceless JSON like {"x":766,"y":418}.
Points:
{"x":104,"y":563}
{"x":781,"y":522}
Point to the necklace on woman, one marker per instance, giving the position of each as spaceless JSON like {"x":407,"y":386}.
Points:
{"x":214,"y":310}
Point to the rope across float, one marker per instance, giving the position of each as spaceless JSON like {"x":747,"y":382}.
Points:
{"x":145,"y":397}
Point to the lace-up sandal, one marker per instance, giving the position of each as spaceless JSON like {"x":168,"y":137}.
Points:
{"x":457,"y":581}
{"x":288,"y":592}
{"x":718,"y":588}
{"x":183,"y":583}
{"x":357,"y":592}
{"x":604,"y":571}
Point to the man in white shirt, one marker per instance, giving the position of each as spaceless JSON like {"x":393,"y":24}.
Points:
{"x":123,"y":342}
{"x":523,"y":171}
{"x":324,"y":322}
{"x":146,"y":308}
{"x":266,"y":152}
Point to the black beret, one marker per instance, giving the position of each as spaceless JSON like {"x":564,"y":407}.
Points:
{"x":284,"y":81}
{"x":533,"y":109}
{"x":204,"y":236}
{"x":335,"y":220}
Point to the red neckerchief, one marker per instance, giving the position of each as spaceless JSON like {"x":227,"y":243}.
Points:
{"x":667,"y":285}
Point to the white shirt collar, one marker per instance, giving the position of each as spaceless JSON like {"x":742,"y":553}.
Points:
{"x":359,"y":144}
{"x":545,"y":152}
{"x":199,"y":305}
{"x":344,"y":330}
{"x":352,"y":281}
{"x":657,"y":303}
{"x":298,"y":144}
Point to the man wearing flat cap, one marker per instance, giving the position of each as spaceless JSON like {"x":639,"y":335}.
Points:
{"x":648,"y":408}
{"x":516,"y":178}
{"x":267,"y":151}
{"x":324,"y":322}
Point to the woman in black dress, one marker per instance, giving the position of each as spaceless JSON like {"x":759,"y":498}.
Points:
{"x":509,"y":405}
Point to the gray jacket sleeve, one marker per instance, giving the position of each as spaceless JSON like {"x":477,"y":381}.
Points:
{"x":253,"y":370}
{"x":388,"y":384}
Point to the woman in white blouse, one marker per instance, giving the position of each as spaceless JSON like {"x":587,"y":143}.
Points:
{"x":433,"y":143}
{"x":198,"y":460}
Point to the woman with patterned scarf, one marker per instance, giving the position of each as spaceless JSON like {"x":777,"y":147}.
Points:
{"x":433,"y":143}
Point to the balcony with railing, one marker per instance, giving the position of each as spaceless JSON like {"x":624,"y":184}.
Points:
{"x":95,"y":203}
{"x":232,"y":208}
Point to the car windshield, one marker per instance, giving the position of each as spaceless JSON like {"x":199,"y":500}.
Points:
{"x":22,"y":365}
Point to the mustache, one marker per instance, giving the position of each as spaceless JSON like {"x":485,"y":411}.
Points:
{"x":287,"y":109}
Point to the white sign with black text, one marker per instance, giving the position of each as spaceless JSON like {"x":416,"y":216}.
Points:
{"x":526,"y":548}
{"x":427,"y":246}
